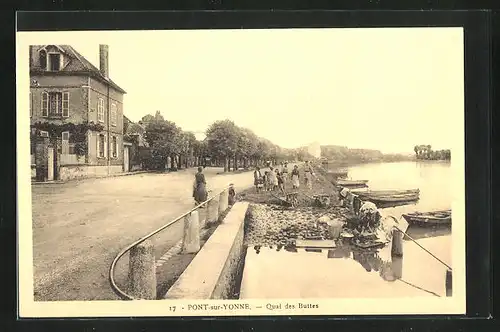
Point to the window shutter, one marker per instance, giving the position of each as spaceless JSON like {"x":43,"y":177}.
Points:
{"x":105,"y":146}
{"x":100,"y":110}
{"x":113,"y":114}
{"x":98,"y":141}
{"x":65,"y":142}
{"x":117,"y":150}
{"x":43,"y":60}
{"x":65,"y":104}
{"x":45,"y":104}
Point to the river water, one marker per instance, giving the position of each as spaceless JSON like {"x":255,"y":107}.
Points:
{"x":343,"y":273}
{"x":432,"y":178}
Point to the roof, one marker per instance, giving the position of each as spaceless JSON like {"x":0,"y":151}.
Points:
{"x":77,"y":63}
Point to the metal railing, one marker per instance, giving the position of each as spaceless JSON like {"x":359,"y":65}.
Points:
{"x":112,"y":281}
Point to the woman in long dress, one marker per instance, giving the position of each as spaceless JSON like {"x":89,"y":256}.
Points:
{"x":308,"y":172}
{"x":271,"y":178}
{"x":257,"y":179}
{"x":200,"y":193}
{"x":295,"y":177}
{"x":280,"y":181}
{"x":284,"y":174}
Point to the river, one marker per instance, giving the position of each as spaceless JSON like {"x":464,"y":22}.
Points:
{"x":432,"y":178}
{"x":347,"y":272}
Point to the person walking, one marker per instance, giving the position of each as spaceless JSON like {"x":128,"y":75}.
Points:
{"x":232,"y":194}
{"x":200,"y":193}
{"x":257,"y":179}
{"x":295,"y":177}
{"x":308,"y":174}
{"x":275,"y":179}
{"x":280,"y":181}
{"x":284,"y":175}
{"x":271,"y":178}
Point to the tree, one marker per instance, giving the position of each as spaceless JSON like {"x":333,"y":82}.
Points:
{"x":222,"y":139}
{"x":165,"y":140}
{"x":247,"y":145}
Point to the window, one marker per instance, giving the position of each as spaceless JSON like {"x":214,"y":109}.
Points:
{"x":31,"y":105}
{"x":65,"y":142}
{"x":100,"y":146}
{"x":43,"y":59}
{"x":44,"y":133}
{"x":113,"y":115}
{"x":100,"y":110}
{"x":45,"y":104}
{"x":65,"y":104}
{"x":114,"y":147}
{"x":55,"y":104}
{"x":54,"y":62}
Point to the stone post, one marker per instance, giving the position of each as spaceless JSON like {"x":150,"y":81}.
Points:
{"x":57,"y":159}
{"x":223,"y":201}
{"x":351,"y":203}
{"x":449,"y":283}
{"x":191,"y":239}
{"x":42,"y":158}
{"x":212,"y":211}
{"x":397,"y":267}
{"x":397,"y":243}
{"x":142,"y":271}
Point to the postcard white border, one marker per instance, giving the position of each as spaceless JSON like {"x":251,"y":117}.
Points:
{"x":29,"y":308}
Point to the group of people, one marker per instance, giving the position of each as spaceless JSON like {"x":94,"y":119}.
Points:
{"x":200,"y":192}
{"x":273,"y":180}
{"x":277,"y":178}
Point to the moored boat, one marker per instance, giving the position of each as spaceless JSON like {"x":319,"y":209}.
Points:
{"x":348,"y":183}
{"x":384,"y":193}
{"x":433,"y":217}
{"x":393,"y":198}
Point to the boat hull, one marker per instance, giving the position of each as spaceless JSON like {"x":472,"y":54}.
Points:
{"x":393,"y":199}
{"x":429,"y":218}
{"x":348,"y":183}
{"x":382,"y":193}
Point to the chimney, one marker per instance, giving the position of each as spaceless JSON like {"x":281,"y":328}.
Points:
{"x":103,"y":60}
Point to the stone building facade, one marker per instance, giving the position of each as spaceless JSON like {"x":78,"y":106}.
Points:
{"x":66,"y":88}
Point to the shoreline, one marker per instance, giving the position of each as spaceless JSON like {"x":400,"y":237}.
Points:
{"x":353,"y":164}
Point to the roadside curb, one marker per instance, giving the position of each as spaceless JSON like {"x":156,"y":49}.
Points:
{"x":37,"y":183}
{"x":212,"y":272}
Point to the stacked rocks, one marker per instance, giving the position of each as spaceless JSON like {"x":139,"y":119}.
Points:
{"x":269,"y":225}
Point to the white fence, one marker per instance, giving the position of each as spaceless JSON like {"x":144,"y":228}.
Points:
{"x":71,"y":159}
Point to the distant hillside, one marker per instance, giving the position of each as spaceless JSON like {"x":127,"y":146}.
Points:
{"x":343,"y":154}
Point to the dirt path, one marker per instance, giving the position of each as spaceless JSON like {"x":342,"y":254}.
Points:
{"x":79,"y":227}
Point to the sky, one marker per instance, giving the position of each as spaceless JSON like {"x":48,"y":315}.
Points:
{"x":387,"y":88}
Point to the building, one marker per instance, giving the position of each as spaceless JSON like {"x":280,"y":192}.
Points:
{"x":69,"y":94}
{"x":314,"y":149}
{"x":135,"y":145}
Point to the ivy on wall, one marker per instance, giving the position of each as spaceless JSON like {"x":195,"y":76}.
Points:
{"x":77,"y":133}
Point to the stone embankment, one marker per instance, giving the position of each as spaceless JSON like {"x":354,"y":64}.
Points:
{"x":270,"y":223}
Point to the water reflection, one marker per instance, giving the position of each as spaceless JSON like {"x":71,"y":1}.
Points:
{"x":421,"y":232}
{"x":313,"y":250}
{"x":432,"y":178}
{"x":340,"y":252}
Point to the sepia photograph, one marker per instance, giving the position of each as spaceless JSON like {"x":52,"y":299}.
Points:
{"x":241,"y":172}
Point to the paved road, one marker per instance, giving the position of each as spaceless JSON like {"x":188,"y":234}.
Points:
{"x":79,"y":227}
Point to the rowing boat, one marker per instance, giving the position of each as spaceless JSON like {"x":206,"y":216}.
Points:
{"x":386,"y":199}
{"x":393,"y":199}
{"x":337,"y":173}
{"x":433,"y":217}
{"x":348,"y":183}
{"x":377,"y":193}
